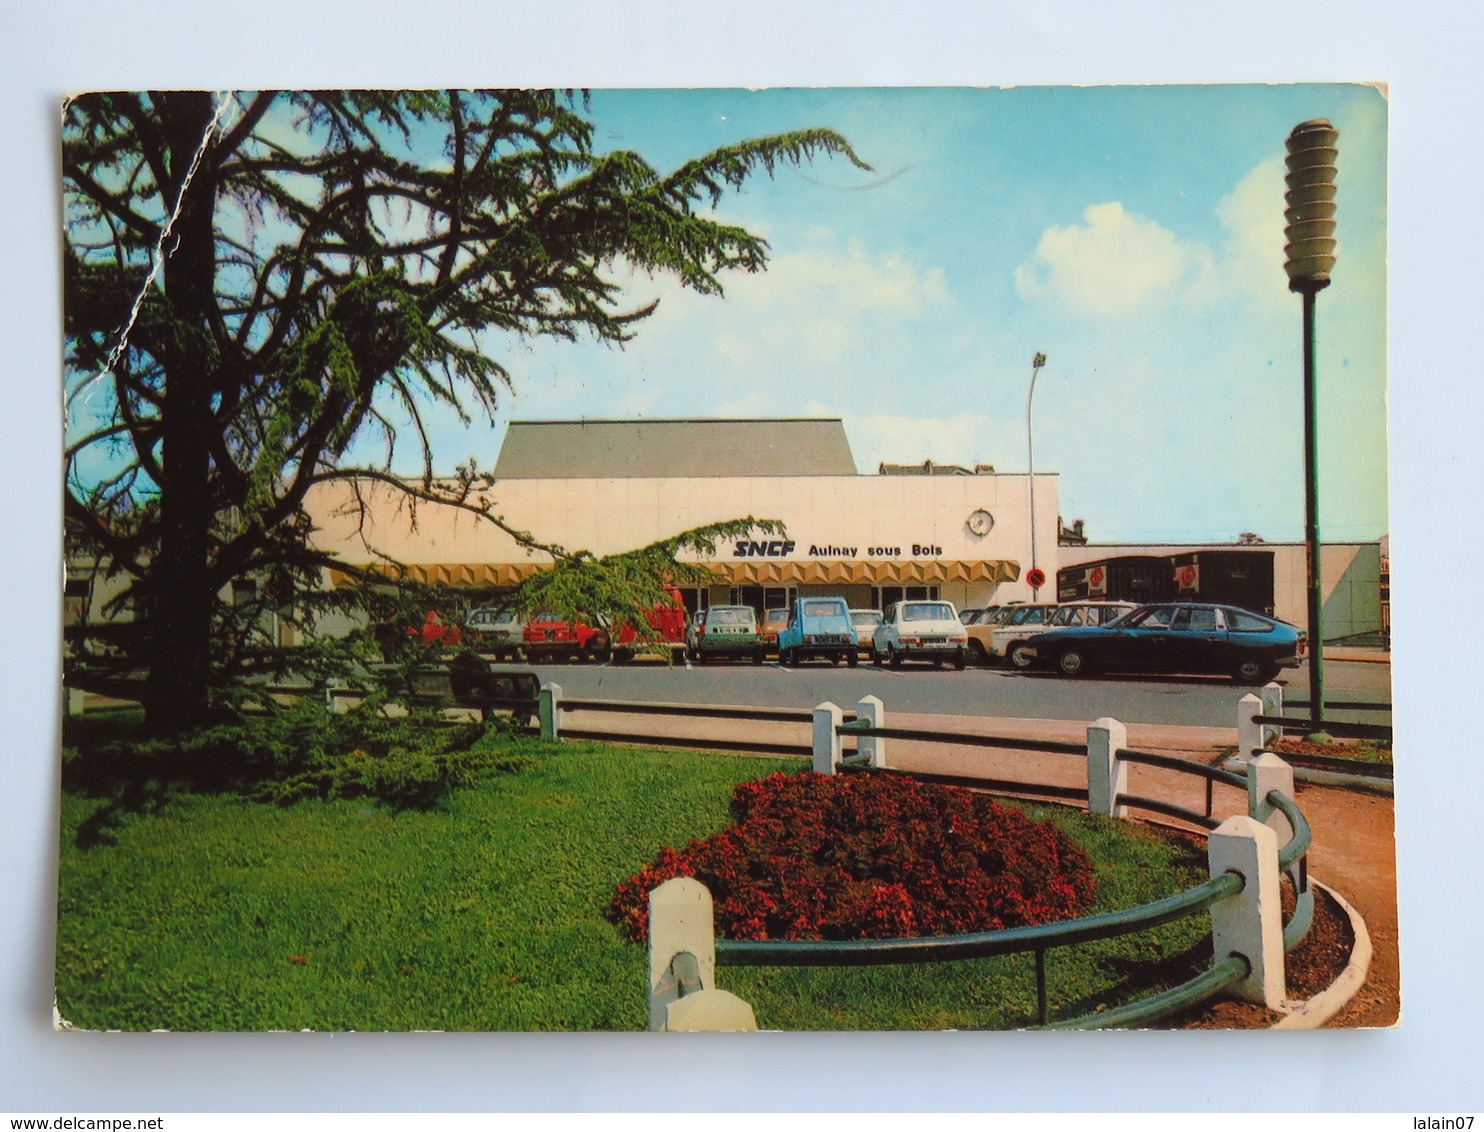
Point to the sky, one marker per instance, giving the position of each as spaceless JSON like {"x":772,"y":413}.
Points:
{"x":1133,"y":234}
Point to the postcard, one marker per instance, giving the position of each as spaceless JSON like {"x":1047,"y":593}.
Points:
{"x":788,"y":559}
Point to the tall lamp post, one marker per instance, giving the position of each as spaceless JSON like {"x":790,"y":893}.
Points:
{"x":1312,"y":150}
{"x":1030,"y":457}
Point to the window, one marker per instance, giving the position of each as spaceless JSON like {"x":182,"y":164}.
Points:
{"x":822,"y":609}
{"x":928,"y":611}
{"x":1156,"y":617}
{"x":1246,"y":623}
{"x":1031,"y":615}
{"x":1195,"y":620}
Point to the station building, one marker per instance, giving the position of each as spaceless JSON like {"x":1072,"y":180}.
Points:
{"x":608,"y":486}
{"x":906,"y":532}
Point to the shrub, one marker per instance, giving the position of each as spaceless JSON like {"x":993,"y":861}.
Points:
{"x":303,"y":751}
{"x":869,"y":857}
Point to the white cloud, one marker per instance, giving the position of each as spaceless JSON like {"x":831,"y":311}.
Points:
{"x":811,"y":306}
{"x":1251,"y":261}
{"x":1117,"y":263}
{"x":1111,"y":265}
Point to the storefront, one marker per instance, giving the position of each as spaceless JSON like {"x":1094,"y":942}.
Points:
{"x":1266,"y":577}
{"x":612,"y":486}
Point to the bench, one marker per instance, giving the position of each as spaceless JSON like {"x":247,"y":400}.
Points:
{"x":478,"y":684}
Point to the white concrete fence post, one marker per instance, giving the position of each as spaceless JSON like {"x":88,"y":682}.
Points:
{"x":1107,"y":774}
{"x":873,"y":711}
{"x":1251,"y":736}
{"x":549,"y":708}
{"x":1266,"y":773}
{"x":681,"y":920}
{"x":1250,"y":923}
{"x":827,"y":741}
{"x":1272,"y":705}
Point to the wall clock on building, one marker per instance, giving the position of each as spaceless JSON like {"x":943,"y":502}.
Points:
{"x":981,"y":522}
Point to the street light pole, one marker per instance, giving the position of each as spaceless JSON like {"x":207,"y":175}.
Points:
{"x":1312,"y":151}
{"x":1030,"y":457}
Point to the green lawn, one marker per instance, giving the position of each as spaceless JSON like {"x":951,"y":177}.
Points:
{"x":210,"y":912}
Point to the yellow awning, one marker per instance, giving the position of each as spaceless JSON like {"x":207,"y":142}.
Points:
{"x":450,"y":574}
{"x":880,"y":573}
{"x":755,"y":572}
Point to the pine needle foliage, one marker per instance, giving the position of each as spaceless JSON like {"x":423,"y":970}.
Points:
{"x":256,"y":282}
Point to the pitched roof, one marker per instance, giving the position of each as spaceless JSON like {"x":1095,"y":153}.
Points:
{"x":674,"y":449}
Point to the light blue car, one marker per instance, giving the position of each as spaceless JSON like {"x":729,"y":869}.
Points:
{"x":818,"y":627}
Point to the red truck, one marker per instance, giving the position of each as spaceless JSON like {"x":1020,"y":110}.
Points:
{"x":435,"y":631}
{"x":551,"y":637}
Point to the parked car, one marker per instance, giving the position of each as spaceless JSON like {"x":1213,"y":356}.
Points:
{"x":551,"y":637}
{"x":1010,"y":640}
{"x":1191,"y":638}
{"x":773,"y":622}
{"x":496,"y":632}
{"x":724,"y":632}
{"x":434,"y":631}
{"x":1019,"y":624}
{"x":667,"y":620}
{"x":981,"y":627}
{"x":865,"y":623}
{"x":818,"y":627}
{"x":921,"y":630}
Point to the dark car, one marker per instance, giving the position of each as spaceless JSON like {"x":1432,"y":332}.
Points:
{"x":1189,"y":638}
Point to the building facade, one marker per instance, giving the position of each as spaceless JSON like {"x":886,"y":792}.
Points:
{"x":613,"y":486}
{"x":1268,"y":577}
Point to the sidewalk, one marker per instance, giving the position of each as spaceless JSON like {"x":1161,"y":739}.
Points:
{"x":1359,"y":655}
{"x":1197,"y":744}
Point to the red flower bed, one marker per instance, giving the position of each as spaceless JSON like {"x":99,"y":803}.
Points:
{"x":869,"y":857}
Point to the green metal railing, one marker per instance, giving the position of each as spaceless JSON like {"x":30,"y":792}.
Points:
{"x":1038,"y":939}
{"x":1230,"y":971}
{"x":1293,"y":859}
{"x":1035,"y":939}
{"x":1049,"y":746}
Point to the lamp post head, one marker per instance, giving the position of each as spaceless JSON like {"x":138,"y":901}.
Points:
{"x":1310,"y":233}
{"x":1038,"y":361}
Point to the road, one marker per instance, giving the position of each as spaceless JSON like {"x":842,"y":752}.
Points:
{"x":1180,"y":701}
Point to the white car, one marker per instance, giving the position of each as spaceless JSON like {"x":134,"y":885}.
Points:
{"x":496,"y":632}
{"x":921,"y":630}
{"x":1010,"y":638}
{"x":865,"y":622}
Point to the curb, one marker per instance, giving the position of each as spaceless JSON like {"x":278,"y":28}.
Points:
{"x":1312,"y":1013}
